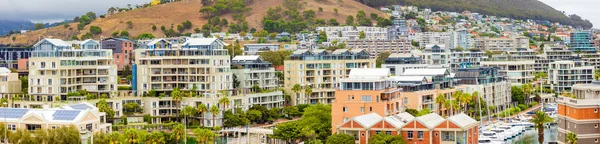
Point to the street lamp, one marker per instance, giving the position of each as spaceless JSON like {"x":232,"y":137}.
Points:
{"x":5,"y":128}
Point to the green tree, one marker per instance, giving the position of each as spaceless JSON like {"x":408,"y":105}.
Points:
{"x":383,"y":138}
{"x":38,"y":26}
{"x":224,"y":101}
{"x":124,"y":34}
{"x":115,"y":34}
{"x":177,"y":96}
{"x":155,"y":137}
{"x":95,"y":30}
{"x":276,"y":57}
{"x":350,"y":20}
{"x":204,"y":136}
{"x":320,"y":9}
{"x":153,"y":27}
{"x":517,"y":94}
{"x":340,"y":139}
{"x":333,"y":22}
{"x":91,"y":15}
{"x":361,"y":35}
{"x":335,"y":10}
{"x":322,"y":37}
{"x":178,"y":130}
{"x":596,"y":74}
{"x":539,"y":121}
{"x":201,"y":110}
{"x":440,"y":100}
{"x":103,"y":107}
{"x":287,"y":131}
{"x":214,"y":110}
{"x":308,"y":91}
{"x":381,"y":58}
{"x":572,"y":138}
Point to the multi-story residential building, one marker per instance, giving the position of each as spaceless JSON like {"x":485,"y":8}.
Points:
{"x":345,"y":33}
{"x":501,"y":44}
{"x":10,"y":56}
{"x":558,"y":54}
{"x":397,"y":63}
{"x":522,"y":54}
{"x":580,"y":114}
{"x":427,"y":129}
{"x":420,"y":87}
{"x":9,"y":82}
{"x":252,"y":72}
{"x":398,"y":29}
{"x":56,"y":69}
{"x":487,"y":81}
{"x":562,"y":75}
{"x":582,"y":41}
{"x":466,"y":59}
{"x":593,"y":58}
{"x":461,"y":38}
{"x":200,"y":62}
{"x":122,"y":51}
{"x":375,"y":47}
{"x":518,"y":72}
{"x":365,"y":91}
{"x":84,"y":116}
{"x":434,"y":38}
{"x":437,"y":55}
{"x":255,"y":49}
{"x":321,"y":70}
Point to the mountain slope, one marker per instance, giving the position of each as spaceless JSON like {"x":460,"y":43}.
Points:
{"x":172,"y":14}
{"x":517,"y":9}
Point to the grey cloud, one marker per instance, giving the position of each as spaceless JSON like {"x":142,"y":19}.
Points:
{"x":56,"y":10}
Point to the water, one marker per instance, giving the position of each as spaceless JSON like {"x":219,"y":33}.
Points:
{"x":531,"y":136}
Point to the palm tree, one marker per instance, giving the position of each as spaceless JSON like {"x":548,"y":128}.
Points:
{"x":204,"y":135}
{"x":187,"y":112}
{"x":539,"y":120}
{"x":214,"y":110}
{"x":201,"y":109}
{"x":297,"y":88}
{"x":572,"y":138}
{"x":440,"y":100}
{"x":177,"y":96}
{"x":465,"y":98}
{"x":155,"y":138}
{"x":133,"y":136}
{"x":527,"y":90}
{"x":42,"y":135}
{"x":225,"y":102}
{"x":177,"y":132}
{"x":308,"y":91}
{"x":193,"y":91}
{"x":115,"y":138}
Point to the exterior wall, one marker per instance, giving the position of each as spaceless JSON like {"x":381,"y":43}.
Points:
{"x":324,"y":81}
{"x":10,"y":84}
{"x":398,"y":69}
{"x":417,"y":99}
{"x":122,"y":51}
{"x":23,"y":64}
{"x":375,"y":47}
{"x":350,"y":100}
{"x":255,"y":49}
{"x":519,"y":72}
{"x":564,"y":74}
{"x":494,"y":94}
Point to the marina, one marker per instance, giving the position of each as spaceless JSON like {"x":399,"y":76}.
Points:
{"x":518,"y":129}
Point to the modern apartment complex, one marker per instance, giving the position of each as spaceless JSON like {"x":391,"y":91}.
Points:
{"x":375,"y":47}
{"x":437,"y":55}
{"x":580,"y":115}
{"x":56,"y":68}
{"x":420,"y":88}
{"x":582,"y":41}
{"x":365,"y":91}
{"x":122,"y":51}
{"x":321,"y":70}
{"x":434,"y":38}
{"x":461,"y":38}
{"x":257,"y":81}
{"x":255,"y":49}
{"x":518,"y":72}
{"x":345,"y":33}
{"x":491,"y":86}
{"x":562,"y":75}
{"x":501,"y":44}
{"x":9,"y":82}
{"x":397,"y":63}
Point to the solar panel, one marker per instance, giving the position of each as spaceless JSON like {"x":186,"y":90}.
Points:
{"x":65,"y":114}
{"x":12,"y":112}
{"x":80,"y":106}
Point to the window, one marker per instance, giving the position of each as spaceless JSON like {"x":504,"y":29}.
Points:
{"x":595,"y":110}
{"x":345,"y":119}
{"x":370,"y":109}
{"x":377,"y":132}
{"x":420,"y":134}
{"x":345,"y":109}
{"x":388,"y":132}
{"x":595,"y":125}
{"x":12,"y":127}
{"x":410,"y":134}
{"x":366,"y":98}
{"x":349,"y":97}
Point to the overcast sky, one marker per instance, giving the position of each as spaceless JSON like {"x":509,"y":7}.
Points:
{"x":58,"y":10}
{"x":587,"y":9}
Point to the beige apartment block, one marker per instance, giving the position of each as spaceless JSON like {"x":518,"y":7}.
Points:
{"x":518,"y":72}
{"x":321,"y":70}
{"x":56,"y":68}
{"x":9,"y":82}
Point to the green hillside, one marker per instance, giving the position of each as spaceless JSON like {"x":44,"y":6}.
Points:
{"x":517,"y":9}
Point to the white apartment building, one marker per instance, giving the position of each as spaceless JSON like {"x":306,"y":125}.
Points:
{"x":375,"y":47}
{"x":251,"y":71}
{"x":345,"y":33}
{"x":255,"y":49}
{"x":437,"y":55}
{"x":563,"y":74}
{"x":518,"y":72}
{"x":434,"y":38}
{"x":56,"y":68}
{"x":466,"y":58}
{"x":502,"y":43}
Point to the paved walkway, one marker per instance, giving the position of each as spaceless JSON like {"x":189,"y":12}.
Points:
{"x":494,"y":119}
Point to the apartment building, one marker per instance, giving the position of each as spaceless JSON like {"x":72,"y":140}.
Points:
{"x":56,"y":68}
{"x":466,"y":59}
{"x":437,"y":55}
{"x":427,"y":129}
{"x":122,"y":51}
{"x":368,"y":90}
{"x":321,"y":70}
{"x":9,"y":82}
{"x":501,"y":43}
{"x":563,"y":74}
{"x":397,"y":63}
{"x":593,"y":58}
{"x":200,"y":62}
{"x":375,"y":47}
{"x":84,"y":116}
{"x":522,"y":54}
{"x":461,"y":38}
{"x":398,"y":29}
{"x":9,"y":57}
{"x":420,"y":88}
{"x":580,"y":115}
{"x":491,"y":86}
{"x":434,"y":38}
{"x":252,"y":71}
{"x":518,"y":72}
{"x":255,"y":49}
{"x":582,"y":41}
{"x":345,"y":33}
